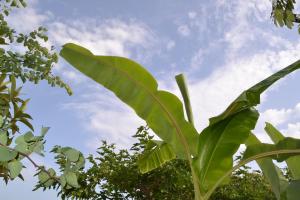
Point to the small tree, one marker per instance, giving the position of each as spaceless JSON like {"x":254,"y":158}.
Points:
{"x":33,"y":63}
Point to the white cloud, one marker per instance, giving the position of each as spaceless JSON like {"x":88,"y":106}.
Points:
{"x":105,"y":117}
{"x":245,"y":64}
{"x":109,"y":37}
{"x":192,"y":15}
{"x":279,"y":116}
{"x":210,"y":96}
{"x":184,"y":30}
{"x":248,"y":25}
{"x":197,"y":59}
{"x":170,"y":45}
{"x":287,"y":120}
{"x":73,"y":76}
{"x":26,"y":20}
{"x":129,"y":38}
{"x":292,"y":130}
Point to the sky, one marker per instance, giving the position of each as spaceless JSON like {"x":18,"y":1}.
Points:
{"x":223,"y":47}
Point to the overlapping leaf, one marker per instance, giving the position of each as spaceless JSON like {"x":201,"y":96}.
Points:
{"x":292,"y":191}
{"x":157,"y":153}
{"x":293,"y":162}
{"x":162,"y":110}
{"x":221,"y":139}
{"x":251,"y":97}
{"x":218,"y":143}
{"x":281,"y":151}
{"x":272,"y":173}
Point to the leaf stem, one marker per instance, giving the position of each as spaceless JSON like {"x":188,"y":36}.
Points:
{"x":40,"y":167}
{"x":181,"y":82}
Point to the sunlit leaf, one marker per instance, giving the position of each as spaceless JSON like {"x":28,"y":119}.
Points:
{"x":162,"y":110}
{"x":15,"y":168}
{"x":6,"y":154}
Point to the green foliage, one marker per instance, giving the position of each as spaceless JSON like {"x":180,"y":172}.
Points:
{"x":210,"y":153}
{"x":203,"y":161}
{"x":292,"y":162}
{"x":157,"y":154}
{"x":23,"y":58}
{"x":244,"y":184}
{"x":271,"y":172}
{"x":280,"y":151}
{"x":283,"y":13}
{"x":114,"y":174}
{"x":287,"y":185}
{"x":33,"y":62}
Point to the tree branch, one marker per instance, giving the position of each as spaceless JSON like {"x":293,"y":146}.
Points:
{"x":40,"y":167}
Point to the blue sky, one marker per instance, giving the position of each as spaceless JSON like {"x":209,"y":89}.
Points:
{"x":222,"y":46}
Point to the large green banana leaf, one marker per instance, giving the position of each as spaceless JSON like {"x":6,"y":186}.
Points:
{"x":285,"y":149}
{"x":293,"y":163}
{"x":222,"y":138}
{"x":160,"y":152}
{"x":251,"y":97}
{"x":218,"y":143}
{"x":280,"y":151}
{"x":292,"y":191}
{"x":136,"y":87}
{"x":272,"y":173}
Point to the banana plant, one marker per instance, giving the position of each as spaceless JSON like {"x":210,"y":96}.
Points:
{"x":282,"y":188}
{"x":209,"y":152}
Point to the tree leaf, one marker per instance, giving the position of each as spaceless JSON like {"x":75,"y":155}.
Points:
{"x":45,"y":179}
{"x":63,"y":181}
{"x":251,"y":97}
{"x":72,"y":154}
{"x":71,"y":179}
{"x":162,"y":110}
{"x":15,"y":168}
{"x":27,"y":123}
{"x":3,"y":138}
{"x":293,"y":162}
{"x":6,"y":154}
{"x":157,"y":153}
{"x":44,"y":131}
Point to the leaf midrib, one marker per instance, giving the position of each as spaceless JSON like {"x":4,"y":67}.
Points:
{"x":172,"y":120}
{"x":247,"y":160}
{"x":210,"y":158}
